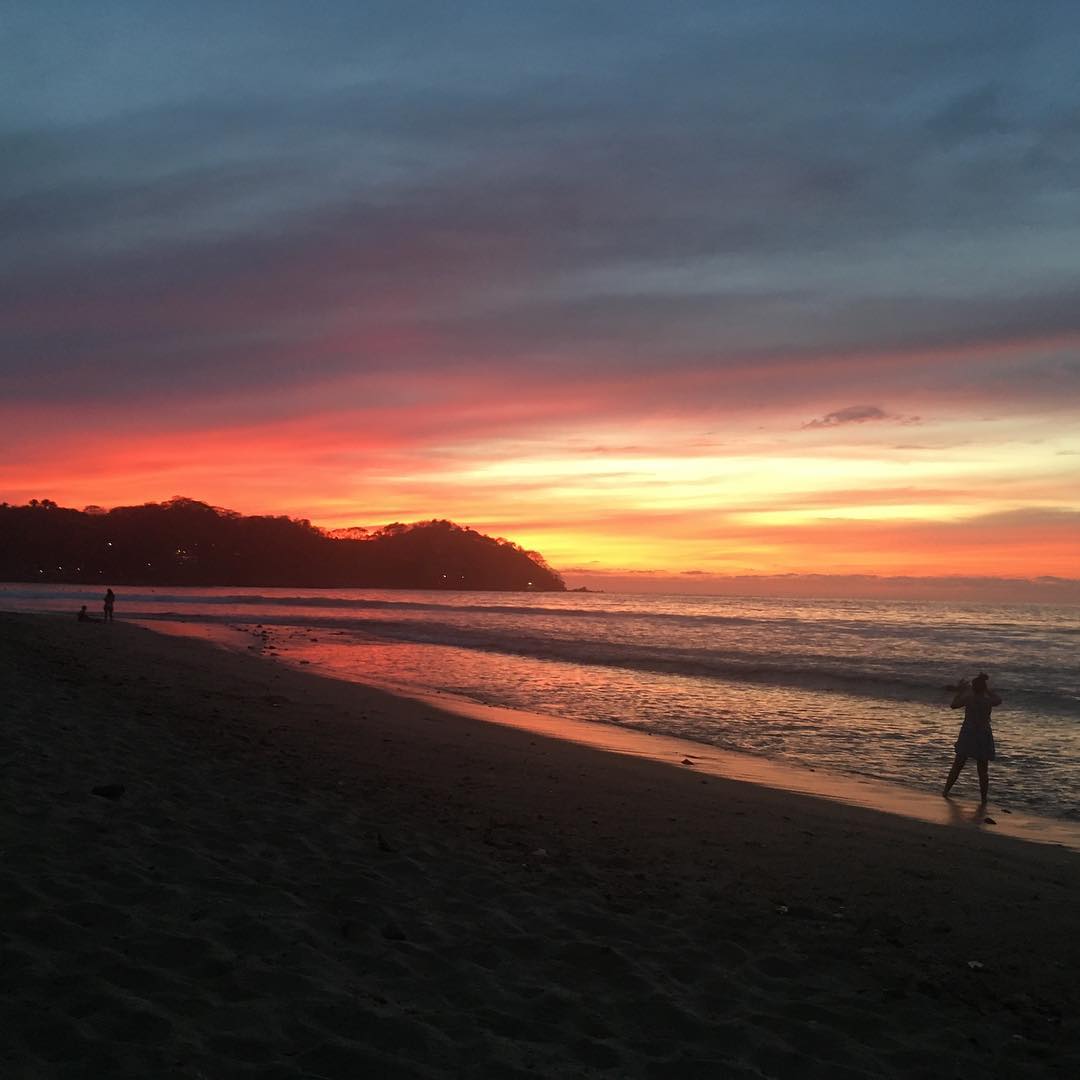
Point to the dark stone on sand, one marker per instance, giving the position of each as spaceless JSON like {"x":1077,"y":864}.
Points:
{"x":803,"y":911}
{"x":687,"y":761}
{"x":108,"y":791}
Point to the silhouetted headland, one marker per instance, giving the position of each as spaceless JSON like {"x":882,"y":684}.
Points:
{"x":185,"y":542}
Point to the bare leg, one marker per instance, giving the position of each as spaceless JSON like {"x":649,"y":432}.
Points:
{"x":984,"y":778}
{"x":954,"y":772}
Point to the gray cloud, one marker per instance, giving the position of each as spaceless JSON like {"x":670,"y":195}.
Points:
{"x":857,"y":414}
{"x":199,"y":202}
{"x":972,"y":114}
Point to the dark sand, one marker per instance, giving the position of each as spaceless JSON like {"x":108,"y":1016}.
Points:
{"x":305,"y":878}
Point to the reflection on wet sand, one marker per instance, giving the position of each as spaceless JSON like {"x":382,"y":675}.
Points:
{"x":869,"y":794}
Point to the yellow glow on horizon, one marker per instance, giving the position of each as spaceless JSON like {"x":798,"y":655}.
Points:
{"x":901,"y":512}
{"x":664,"y":497}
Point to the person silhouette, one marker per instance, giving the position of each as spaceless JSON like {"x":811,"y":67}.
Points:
{"x":84,"y":615}
{"x":976,"y":738}
{"x":110,"y":599}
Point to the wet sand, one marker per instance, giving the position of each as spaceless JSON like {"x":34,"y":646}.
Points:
{"x":308,"y":878}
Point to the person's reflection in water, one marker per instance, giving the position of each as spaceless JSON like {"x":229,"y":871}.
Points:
{"x":976,"y":738}
{"x":968,"y":816}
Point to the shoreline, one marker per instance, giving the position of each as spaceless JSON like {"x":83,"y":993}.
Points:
{"x":883,"y":717}
{"x":960,"y":811}
{"x":878,"y":796}
{"x":310,"y":878}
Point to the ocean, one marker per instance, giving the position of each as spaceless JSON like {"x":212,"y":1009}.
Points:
{"x":854,"y":687}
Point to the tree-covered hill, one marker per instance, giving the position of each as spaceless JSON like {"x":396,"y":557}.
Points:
{"x":184,"y":542}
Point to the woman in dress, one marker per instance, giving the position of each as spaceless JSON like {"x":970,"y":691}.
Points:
{"x":976,"y":738}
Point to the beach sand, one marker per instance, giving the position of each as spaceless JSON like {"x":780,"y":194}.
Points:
{"x":307,"y":878}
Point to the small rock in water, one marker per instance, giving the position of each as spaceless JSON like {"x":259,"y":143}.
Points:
{"x":109,"y":791}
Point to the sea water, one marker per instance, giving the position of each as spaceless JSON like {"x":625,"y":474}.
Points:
{"x":851,"y":686}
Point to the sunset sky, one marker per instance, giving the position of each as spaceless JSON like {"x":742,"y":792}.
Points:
{"x":668,"y":292}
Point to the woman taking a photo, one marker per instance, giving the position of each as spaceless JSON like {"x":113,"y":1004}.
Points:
{"x":976,"y":738}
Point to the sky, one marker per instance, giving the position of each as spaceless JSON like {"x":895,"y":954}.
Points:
{"x":682,"y":295}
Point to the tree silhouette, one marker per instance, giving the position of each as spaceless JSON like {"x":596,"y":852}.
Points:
{"x":186,"y":542}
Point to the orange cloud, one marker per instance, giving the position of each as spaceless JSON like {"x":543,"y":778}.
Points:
{"x":647,"y":471}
